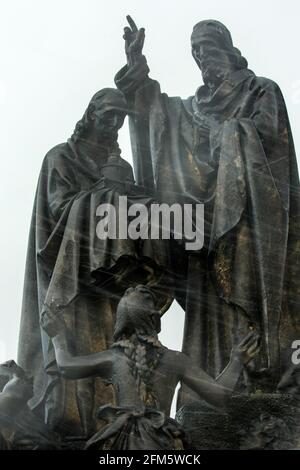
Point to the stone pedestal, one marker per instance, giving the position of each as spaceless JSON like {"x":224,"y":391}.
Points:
{"x":257,"y":421}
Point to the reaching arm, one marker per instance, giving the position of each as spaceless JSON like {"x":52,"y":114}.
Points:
{"x":203,"y":384}
{"x":218,"y":392}
{"x":71,"y":366}
{"x":240,"y":356}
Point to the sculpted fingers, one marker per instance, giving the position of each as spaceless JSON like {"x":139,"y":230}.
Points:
{"x":132,"y":24}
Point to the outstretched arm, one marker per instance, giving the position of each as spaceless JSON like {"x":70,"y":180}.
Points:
{"x":203,"y":384}
{"x":240,"y":356}
{"x":71,"y":366}
{"x":218,"y":392}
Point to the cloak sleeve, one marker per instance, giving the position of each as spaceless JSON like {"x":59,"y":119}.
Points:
{"x":55,"y":190}
{"x":258,"y":176}
{"x":271,"y":121}
{"x":146,"y":128}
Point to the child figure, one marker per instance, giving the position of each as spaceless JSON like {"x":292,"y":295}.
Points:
{"x":144,"y":374}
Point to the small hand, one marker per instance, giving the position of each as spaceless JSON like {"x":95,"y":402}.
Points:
{"x":134,"y":41}
{"x":52,"y":323}
{"x":247,"y":348}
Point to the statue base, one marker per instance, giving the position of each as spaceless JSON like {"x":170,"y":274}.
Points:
{"x":250,"y":422}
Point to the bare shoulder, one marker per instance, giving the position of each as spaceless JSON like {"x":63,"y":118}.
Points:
{"x":175,"y":359}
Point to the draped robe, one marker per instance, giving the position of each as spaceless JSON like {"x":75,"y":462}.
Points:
{"x":65,"y":261}
{"x":233,"y":151}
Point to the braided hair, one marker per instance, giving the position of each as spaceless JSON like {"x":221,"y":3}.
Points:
{"x":136,"y":335}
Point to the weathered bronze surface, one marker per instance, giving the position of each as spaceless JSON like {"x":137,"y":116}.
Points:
{"x":145,"y":374}
{"x":70,"y":270}
{"x":91,"y":307}
{"x":230,"y":147}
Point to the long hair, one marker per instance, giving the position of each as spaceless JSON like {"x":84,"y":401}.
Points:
{"x":83,"y":124}
{"x":136,"y":336}
{"x":104,"y":100}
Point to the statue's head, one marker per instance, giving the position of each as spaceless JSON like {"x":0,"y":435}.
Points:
{"x":213,"y":51}
{"x":136,"y":313}
{"x":104,"y":116}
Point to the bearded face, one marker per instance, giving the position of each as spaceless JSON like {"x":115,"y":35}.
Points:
{"x":211,"y":60}
{"x":214,"y":62}
{"x":214,"y":53}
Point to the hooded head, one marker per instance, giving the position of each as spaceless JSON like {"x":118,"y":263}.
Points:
{"x":103,"y":117}
{"x":214,"y":53}
{"x":136,"y":314}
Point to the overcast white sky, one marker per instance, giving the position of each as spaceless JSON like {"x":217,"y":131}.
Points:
{"x":55,"y":54}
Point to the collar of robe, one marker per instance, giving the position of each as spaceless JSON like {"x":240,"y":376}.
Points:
{"x":204,"y":98}
{"x":91,"y":150}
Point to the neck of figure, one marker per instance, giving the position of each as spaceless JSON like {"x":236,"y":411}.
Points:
{"x":109,"y":145}
{"x":102,"y":139}
{"x":216,"y":76}
{"x":139,"y":337}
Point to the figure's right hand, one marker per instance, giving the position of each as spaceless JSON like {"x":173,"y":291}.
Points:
{"x":134,"y":41}
{"x":52,"y":323}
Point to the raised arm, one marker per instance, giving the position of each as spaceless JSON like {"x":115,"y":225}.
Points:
{"x":218,"y":392}
{"x":135,"y":73}
{"x":69,"y":365}
{"x":144,"y":97}
{"x":241,"y":354}
{"x":134,"y":42}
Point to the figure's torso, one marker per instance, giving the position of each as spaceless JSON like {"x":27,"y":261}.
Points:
{"x":163,"y":381}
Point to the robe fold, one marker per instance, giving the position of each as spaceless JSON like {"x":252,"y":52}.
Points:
{"x":67,"y":171}
{"x":132,"y":428}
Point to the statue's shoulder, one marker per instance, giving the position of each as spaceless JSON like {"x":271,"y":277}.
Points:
{"x":266,"y":83}
{"x":172,"y":358}
{"x":58,"y":155}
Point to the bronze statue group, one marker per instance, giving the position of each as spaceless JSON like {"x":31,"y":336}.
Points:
{"x":91,"y":312}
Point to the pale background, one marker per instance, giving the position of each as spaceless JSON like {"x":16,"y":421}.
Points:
{"x":55,"y":54}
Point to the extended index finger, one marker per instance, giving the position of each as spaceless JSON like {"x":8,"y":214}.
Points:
{"x":132,"y":24}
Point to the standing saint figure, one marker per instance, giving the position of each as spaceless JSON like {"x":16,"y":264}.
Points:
{"x":229,"y":147}
{"x":71,"y":271}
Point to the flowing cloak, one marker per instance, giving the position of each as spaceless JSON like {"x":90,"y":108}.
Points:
{"x":131,"y":428}
{"x":233,"y":151}
{"x":63,"y":255}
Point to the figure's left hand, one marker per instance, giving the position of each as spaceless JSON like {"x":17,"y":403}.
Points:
{"x":247,"y":349}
